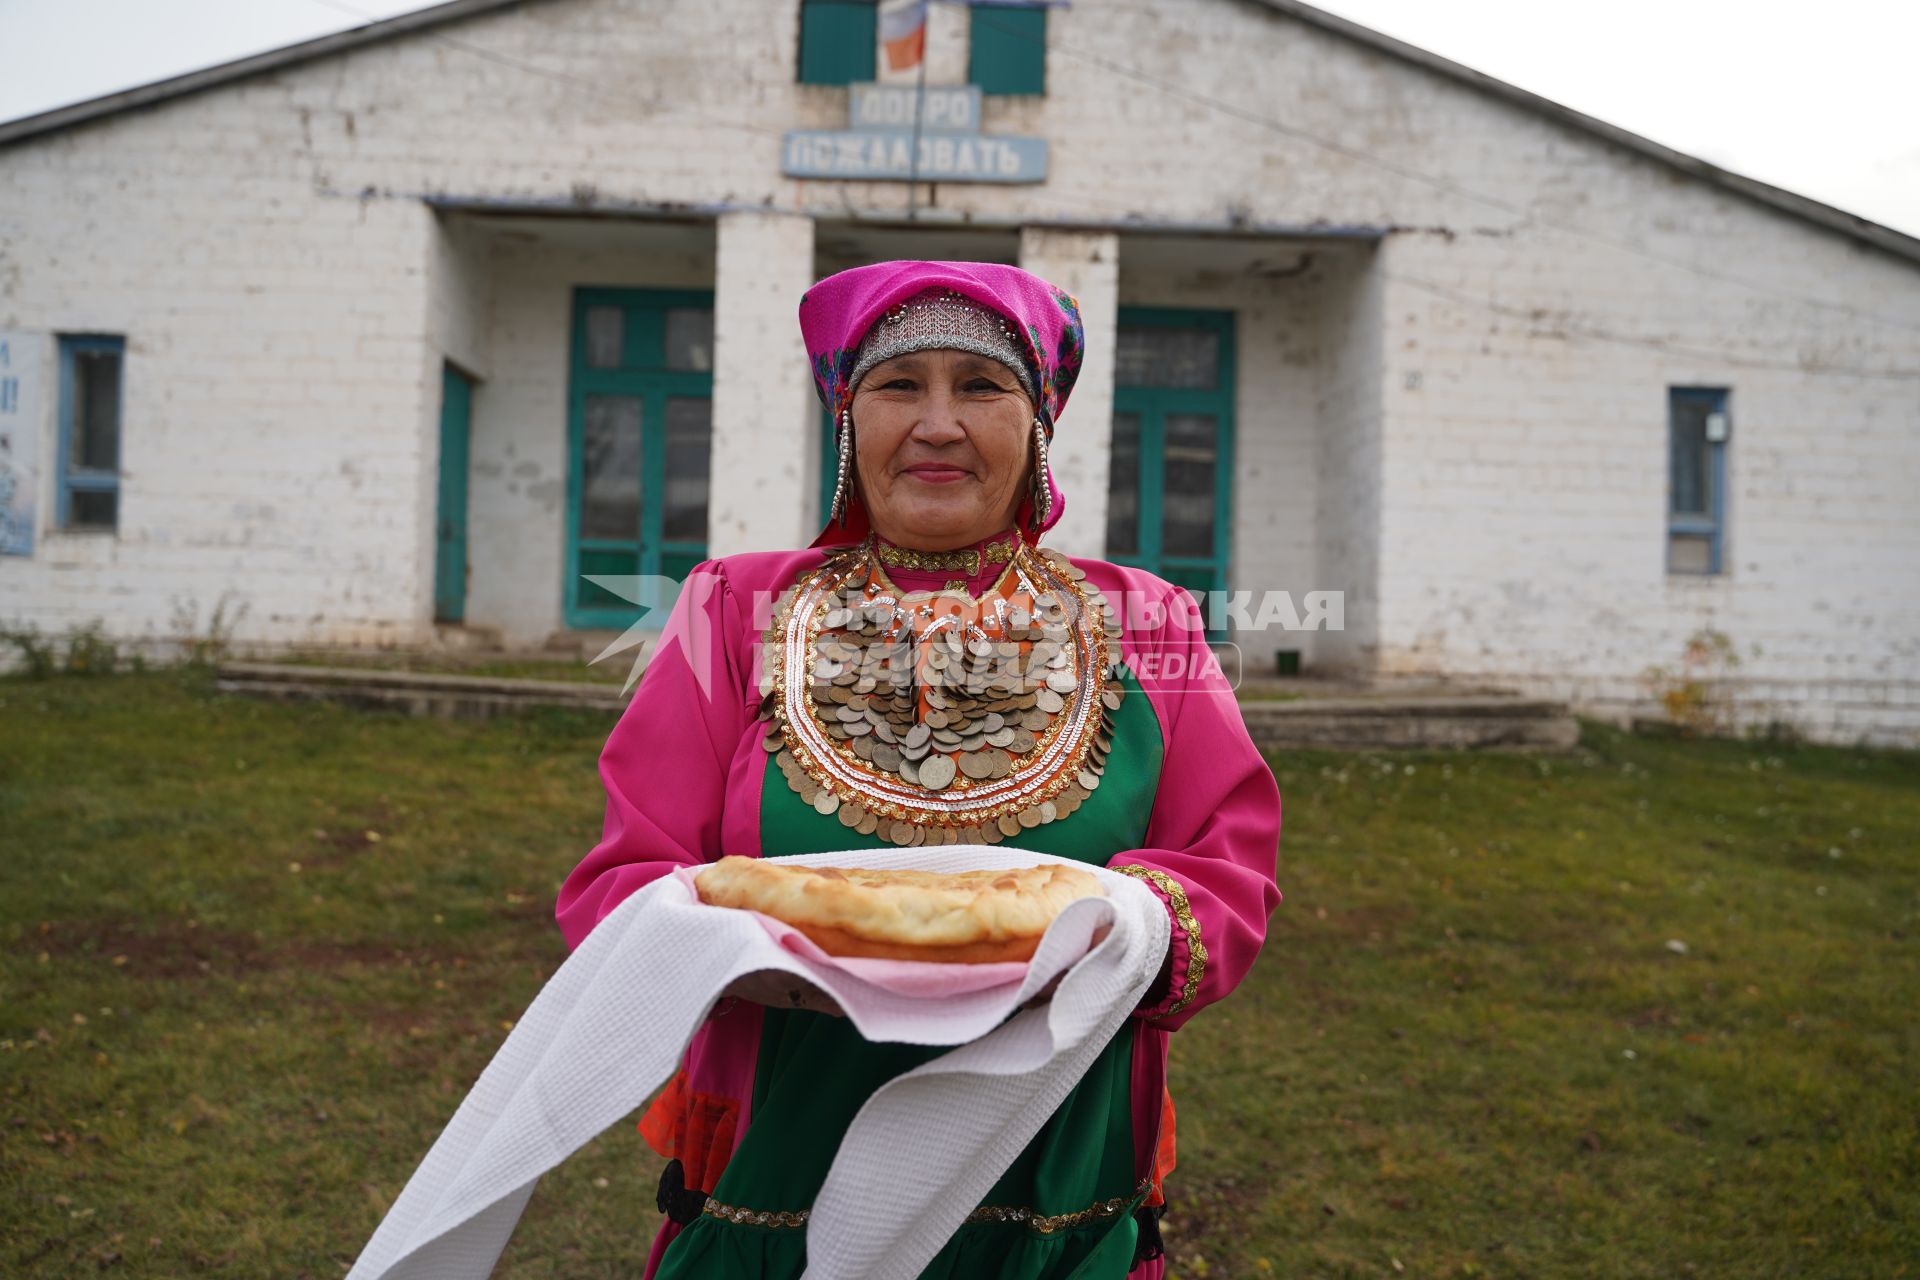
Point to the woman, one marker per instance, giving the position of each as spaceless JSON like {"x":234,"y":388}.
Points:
{"x":926,"y":673}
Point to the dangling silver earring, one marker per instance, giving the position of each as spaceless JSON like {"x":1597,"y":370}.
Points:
{"x":837,"y":512}
{"x":1042,"y":485}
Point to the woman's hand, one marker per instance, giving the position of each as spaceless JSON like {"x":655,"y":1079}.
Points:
{"x":778,"y":989}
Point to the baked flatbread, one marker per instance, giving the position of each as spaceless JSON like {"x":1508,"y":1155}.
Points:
{"x":967,"y":917}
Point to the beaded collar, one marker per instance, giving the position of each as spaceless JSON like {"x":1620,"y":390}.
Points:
{"x":938,"y":717}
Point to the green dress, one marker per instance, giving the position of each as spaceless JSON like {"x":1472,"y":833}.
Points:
{"x":814,"y":1072}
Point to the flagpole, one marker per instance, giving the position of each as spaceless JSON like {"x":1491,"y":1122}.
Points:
{"x":919,"y":106}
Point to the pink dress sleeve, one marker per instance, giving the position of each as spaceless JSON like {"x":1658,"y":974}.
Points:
{"x":1213,"y":841}
{"x":666,"y":763}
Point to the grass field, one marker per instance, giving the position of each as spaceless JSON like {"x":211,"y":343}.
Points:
{"x":1644,"y":1010}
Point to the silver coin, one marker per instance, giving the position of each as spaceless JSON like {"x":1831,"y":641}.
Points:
{"x":917,"y":736}
{"x":863,"y":747}
{"x":993,"y":722}
{"x":1034,"y":721}
{"x":1089,"y":779}
{"x":976,"y":765}
{"x":1002,"y":764}
{"x":850,"y":815}
{"x":869,"y":823}
{"x":1002,"y":737}
{"x":1009,"y":825}
{"x":887,"y":757}
{"x":884,"y":731}
{"x":1022,"y":742}
{"x":1048,"y":701}
{"x":910,"y":770}
{"x":825,"y":801}
{"x":858,"y":730}
{"x":1112,"y":698}
{"x":1061,"y":681}
{"x":916,"y":753}
{"x":936,"y":772}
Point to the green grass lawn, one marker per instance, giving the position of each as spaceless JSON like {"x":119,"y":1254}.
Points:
{"x":1645,"y":1010}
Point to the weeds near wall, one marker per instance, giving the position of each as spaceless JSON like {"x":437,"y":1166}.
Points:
{"x":84,"y":650}
{"x":205,"y":648}
{"x":1693,"y":694}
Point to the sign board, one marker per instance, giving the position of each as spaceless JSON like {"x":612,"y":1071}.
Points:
{"x":22,"y":389}
{"x":879,"y":143}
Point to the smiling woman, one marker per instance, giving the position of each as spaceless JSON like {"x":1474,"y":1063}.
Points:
{"x":926,"y":673}
{"x":941,"y":438}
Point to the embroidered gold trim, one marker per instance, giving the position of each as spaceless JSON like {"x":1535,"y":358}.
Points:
{"x":968,"y":562}
{"x":1183,"y":912}
{"x":1044,"y":1223}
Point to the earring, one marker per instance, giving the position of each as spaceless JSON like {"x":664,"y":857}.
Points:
{"x":837,"y":511}
{"x":1042,"y":485}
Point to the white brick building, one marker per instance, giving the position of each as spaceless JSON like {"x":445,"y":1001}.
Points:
{"x":1451,"y":349}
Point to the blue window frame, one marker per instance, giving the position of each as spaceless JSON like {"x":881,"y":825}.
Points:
{"x":1007,"y":48}
{"x":837,"y":41}
{"x":1698,"y":427}
{"x":87,"y":461}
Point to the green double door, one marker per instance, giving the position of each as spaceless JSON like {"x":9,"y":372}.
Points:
{"x":1170,"y":483}
{"x":640,"y":431}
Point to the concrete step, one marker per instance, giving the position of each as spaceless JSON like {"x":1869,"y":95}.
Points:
{"x":1340,"y":716}
{"x":1389,"y":721}
{"x":419,"y":693}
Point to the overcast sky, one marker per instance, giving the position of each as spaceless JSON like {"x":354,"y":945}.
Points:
{"x":1817,"y":98}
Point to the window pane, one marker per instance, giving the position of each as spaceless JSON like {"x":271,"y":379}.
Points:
{"x":606,"y":333}
{"x":1689,"y":553}
{"x":1007,"y":50}
{"x":1123,"y":487}
{"x":1167,"y":358}
{"x":1691,"y":472}
{"x":610,"y":483}
{"x":837,"y":41}
{"x":1187,"y":507}
{"x":689,"y":453}
{"x":92,"y":508}
{"x":95,"y":440}
{"x":690,"y":338}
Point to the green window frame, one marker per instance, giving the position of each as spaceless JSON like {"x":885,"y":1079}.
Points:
{"x":1007,"y":48}
{"x":641,"y":385}
{"x":838,"y":41}
{"x":1161,"y":426}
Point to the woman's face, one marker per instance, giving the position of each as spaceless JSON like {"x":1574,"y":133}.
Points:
{"x":941,"y":447}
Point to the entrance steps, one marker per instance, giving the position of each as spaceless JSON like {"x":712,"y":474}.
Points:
{"x":1281,"y":713}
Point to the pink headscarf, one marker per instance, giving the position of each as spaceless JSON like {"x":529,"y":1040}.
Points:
{"x":836,"y":314}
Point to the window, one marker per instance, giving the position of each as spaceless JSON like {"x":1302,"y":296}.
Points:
{"x":1697,"y":431}
{"x":836,"y":41}
{"x":1008,"y":48}
{"x":1170,"y":486}
{"x":87,"y":494}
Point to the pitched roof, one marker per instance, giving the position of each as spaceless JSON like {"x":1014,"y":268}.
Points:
{"x":1847,"y":224}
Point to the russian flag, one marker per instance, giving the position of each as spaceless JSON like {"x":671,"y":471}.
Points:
{"x":903,"y":33}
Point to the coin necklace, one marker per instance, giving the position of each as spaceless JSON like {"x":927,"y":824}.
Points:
{"x":935,"y":717}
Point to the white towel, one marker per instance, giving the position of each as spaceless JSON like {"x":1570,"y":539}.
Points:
{"x":611,"y":1024}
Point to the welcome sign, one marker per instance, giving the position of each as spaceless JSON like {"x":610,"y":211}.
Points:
{"x":879,"y":143}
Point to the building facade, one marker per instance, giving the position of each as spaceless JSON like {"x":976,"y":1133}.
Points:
{"x":428,"y":323}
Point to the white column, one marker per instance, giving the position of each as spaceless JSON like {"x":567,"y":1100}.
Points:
{"x":763,"y":472}
{"x":1087,"y":265}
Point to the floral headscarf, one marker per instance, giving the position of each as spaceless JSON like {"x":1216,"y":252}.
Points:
{"x":837,"y":312}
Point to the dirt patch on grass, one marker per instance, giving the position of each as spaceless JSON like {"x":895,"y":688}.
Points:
{"x":1206,"y":1220}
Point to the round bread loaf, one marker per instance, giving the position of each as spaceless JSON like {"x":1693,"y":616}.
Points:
{"x":967,"y":917}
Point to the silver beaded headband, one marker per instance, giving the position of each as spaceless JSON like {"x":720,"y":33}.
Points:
{"x":942,"y":318}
